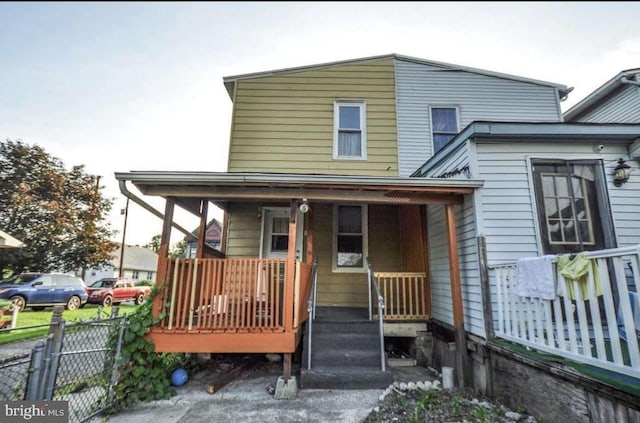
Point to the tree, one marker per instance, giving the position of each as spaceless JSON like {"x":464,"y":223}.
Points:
{"x":59,"y":214}
{"x":154,"y":244}
{"x":179,"y":249}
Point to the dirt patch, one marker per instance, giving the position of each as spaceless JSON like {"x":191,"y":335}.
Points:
{"x":441,"y":406}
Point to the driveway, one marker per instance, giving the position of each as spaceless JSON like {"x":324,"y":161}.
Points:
{"x":247,"y":400}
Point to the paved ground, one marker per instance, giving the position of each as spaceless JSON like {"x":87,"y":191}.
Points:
{"x":246,"y":400}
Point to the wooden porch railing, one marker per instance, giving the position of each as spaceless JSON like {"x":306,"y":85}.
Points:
{"x":223,"y":295}
{"x":405,"y":295}
{"x":598,"y":329}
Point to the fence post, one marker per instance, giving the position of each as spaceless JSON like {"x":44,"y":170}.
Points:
{"x":35,"y":369}
{"x":114,"y":311}
{"x":116,"y":361}
{"x":44,"y":368}
{"x":52,"y":374}
{"x":14,"y":316}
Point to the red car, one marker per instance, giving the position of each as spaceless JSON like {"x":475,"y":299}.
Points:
{"x":108,"y":291}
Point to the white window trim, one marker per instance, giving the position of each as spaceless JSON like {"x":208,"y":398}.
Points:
{"x":263,"y":212}
{"x":363,"y":123}
{"x":365,"y":240}
{"x":441,"y":106}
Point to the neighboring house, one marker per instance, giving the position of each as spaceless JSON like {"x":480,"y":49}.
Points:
{"x":213,"y":238}
{"x":417,"y":172}
{"x":616,"y":101}
{"x":7,"y":241}
{"x":139,"y":264}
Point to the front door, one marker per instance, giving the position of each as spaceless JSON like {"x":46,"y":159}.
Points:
{"x":275,"y":233}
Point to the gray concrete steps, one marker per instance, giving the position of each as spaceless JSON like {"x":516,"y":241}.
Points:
{"x":345,"y":354}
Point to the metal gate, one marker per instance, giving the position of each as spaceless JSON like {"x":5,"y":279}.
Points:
{"x":77,"y":362}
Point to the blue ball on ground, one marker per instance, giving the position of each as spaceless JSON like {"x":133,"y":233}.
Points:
{"x":179,"y":377}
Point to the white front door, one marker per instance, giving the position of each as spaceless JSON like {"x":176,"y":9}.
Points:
{"x":275,"y":233}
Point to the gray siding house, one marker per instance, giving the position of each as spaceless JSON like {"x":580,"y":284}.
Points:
{"x":436,"y":100}
{"x":506,"y":210}
{"x":616,"y":101}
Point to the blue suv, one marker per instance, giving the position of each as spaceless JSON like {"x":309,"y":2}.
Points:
{"x":39,"y":290}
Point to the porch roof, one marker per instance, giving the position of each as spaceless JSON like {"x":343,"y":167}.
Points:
{"x":221,"y":187}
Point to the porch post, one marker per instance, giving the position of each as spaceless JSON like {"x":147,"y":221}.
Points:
{"x":163,"y":252}
{"x":225,"y":232}
{"x":456,"y":297}
{"x":287,"y":301}
{"x":203,"y":228}
{"x":309,"y":243}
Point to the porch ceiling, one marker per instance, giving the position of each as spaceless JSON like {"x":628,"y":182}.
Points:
{"x":224,"y":187}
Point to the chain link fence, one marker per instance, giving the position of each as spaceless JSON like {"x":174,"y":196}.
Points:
{"x":76,"y":362}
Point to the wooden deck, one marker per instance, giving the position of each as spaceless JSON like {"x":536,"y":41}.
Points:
{"x":231,"y":306}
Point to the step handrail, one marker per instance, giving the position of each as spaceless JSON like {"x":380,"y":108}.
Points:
{"x":311,"y":307}
{"x":374,"y":282}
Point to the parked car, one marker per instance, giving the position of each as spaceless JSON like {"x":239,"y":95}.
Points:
{"x":40,"y":290}
{"x":108,"y":291}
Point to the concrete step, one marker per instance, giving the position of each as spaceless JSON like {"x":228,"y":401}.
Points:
{"x":345,"y":358}
{"x":345,"y":327}
{"x":345,"y":378}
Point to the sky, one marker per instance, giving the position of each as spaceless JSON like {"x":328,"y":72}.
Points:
{"x":122,"y":86}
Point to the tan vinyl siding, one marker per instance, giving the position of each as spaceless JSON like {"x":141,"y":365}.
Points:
{"x":244,"y":230}
{"x":350,"y":289}
{"x":285,"y":123}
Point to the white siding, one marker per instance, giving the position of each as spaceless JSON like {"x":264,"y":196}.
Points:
{"x":507,"y":201}
{"x":478,"y":97}
{"x":442,"y":307}
{"x":507,"y":208}
{"x":455,"y":162}
{"x":622,"y":106}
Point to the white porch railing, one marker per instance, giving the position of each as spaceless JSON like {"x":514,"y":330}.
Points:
{"x":599,"y":330}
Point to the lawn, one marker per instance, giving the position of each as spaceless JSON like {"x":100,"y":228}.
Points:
{"x":42,"y":318}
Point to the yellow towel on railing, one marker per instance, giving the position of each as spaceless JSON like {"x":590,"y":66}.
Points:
{"x":577,"y":269}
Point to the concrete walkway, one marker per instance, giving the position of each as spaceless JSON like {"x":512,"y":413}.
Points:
{"x":246,"y":400}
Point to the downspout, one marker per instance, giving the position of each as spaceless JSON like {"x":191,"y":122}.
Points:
{"x":149,"y":208}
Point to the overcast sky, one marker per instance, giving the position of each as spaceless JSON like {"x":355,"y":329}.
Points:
{"x":138,"y":86}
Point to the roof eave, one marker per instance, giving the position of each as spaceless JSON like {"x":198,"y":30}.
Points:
{"x":601,"y":92}
{"x":526,"y":131}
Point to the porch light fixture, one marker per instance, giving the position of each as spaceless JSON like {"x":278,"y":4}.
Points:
{"x":304,"y":206}
{"x":622,"y":173}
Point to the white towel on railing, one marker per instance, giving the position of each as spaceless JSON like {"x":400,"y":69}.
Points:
{"x":534,"y":277}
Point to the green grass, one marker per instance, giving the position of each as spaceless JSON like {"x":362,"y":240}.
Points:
{"x":29,"y":317}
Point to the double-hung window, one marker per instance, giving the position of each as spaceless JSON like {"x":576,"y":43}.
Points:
{"x":444,"y":126}
{"x":349,"y":130}
{"x":350,"y":237}
{"x":569,"y":213}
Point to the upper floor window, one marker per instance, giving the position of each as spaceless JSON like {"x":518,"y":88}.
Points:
{"x":444,"y":126}
{"x":350,"y":237}
{"x":569,"y":213}
{"x":349,"y":130}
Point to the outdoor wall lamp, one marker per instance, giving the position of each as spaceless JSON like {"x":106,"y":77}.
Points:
{"x":622,"y":173}
{"x":304,"y":206}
